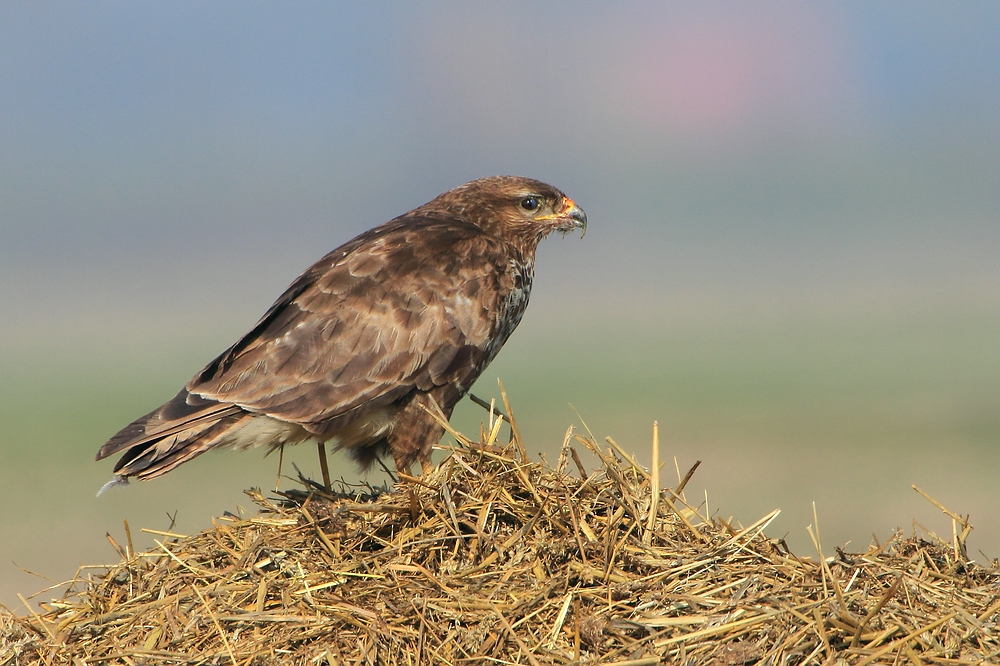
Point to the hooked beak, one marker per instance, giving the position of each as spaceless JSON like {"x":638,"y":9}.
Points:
{"x":572,"y":217}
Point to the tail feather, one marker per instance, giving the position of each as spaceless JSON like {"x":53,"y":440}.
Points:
{"x":156,"y":457}
{"x":183,"y":428}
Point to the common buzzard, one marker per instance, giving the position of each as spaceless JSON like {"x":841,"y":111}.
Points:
{"x":402,"y":318}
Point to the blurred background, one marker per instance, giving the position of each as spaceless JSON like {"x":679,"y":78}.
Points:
{"x":792,"y":261}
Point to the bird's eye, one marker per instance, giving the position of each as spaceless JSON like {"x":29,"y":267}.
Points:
{"x":530,"y":203}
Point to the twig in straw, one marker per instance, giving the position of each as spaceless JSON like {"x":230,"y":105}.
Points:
{"x":324,"y":466}
{"x":386,"y":469}
{"x":687,"y":477}
{"x":281,"y":461}
{"x":579,"y":465}
{"x":488,"y":406}
{"x":129,"y":550}
{"x":114,"y":544}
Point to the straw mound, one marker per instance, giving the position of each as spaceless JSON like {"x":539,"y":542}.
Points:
{"x":492,"y":558}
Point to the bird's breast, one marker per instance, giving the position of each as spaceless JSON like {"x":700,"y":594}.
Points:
{"x":512,"y":304}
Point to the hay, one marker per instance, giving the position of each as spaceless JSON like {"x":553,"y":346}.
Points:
{"x":493,"y":558}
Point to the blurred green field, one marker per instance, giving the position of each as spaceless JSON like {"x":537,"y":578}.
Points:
{"x":783,"y":412}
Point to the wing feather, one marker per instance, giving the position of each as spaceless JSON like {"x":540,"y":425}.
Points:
{"x":389,"y":312}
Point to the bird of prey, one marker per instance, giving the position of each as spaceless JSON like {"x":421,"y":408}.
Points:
{"x":398,"y":321}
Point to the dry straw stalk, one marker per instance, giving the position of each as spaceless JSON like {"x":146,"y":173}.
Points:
{"x":493,"y":558}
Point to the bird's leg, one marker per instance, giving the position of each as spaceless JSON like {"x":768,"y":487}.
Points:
{"x":324,"y":467}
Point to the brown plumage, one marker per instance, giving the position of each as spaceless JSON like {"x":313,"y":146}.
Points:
{"x":404,"y":316}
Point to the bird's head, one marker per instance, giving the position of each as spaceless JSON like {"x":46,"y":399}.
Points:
{"x":520,"y":210}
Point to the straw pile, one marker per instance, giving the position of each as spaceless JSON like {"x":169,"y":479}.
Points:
{"x":493,"y":558}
